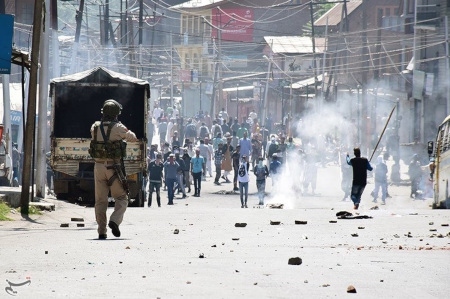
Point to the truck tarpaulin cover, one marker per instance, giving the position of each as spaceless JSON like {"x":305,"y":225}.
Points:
{"x":80,"y":98}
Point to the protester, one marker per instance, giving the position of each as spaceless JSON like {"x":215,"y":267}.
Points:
{"x":275,"y":168}
{"x":261,"y":173}
{"x":218,"y":158}
{"x":360,"y":166}
{"x":171,"y":168}
{"x":197,"y":168}
{"x":380,"y":180}
{"x":187,"y":169}
{"x":235,"y":157}
{"x":227,"y":163}
{"x":415,"y":175}
{"x":155,"y":171}
{"x":243,"y":179}
{"x":180,"y":173}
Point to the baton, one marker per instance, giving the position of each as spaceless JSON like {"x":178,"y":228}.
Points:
{"x":381,"y":136}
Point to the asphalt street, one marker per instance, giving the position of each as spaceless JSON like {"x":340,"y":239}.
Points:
{"x":193,"y":249}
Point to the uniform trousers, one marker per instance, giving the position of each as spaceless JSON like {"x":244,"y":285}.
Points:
{"x":101,"y":176}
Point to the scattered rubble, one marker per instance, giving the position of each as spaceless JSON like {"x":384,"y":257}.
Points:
{"x":300,"y":222}
{"x":351,"y":289}
{"x":242,"y":224}
{"x":176,"y":231}
{"x":275,"y":206}
{"x":80,"y":224}
{"x":295,"y":261}
{"x":201,"y":256}
{"x":355,"y":235}
{"x":64,"y":225}
{"x":274,"y":222}
{"x":77,"y":219}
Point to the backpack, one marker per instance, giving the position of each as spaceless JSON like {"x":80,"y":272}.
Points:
{"x":273,"y":147}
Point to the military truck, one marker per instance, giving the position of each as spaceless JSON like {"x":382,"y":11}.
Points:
{"x":76,"y":104}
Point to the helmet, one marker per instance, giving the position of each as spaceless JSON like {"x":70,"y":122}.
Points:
{"x":111,"y":108}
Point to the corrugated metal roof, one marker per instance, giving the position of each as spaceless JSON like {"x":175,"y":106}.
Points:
{"x":294,"y":44}
{"x":334,"y":14}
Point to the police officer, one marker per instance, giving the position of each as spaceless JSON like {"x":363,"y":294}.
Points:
{"x":105,"y":176}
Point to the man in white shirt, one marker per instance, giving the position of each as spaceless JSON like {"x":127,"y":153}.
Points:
{"x":157,"y":111}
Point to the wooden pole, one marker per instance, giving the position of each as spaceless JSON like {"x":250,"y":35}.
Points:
{"x":31,"y":111}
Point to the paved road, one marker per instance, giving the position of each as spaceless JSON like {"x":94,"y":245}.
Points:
{"x":394,"y":254}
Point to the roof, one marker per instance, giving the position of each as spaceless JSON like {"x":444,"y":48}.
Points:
{"x":295,"y":44}
{"x":334,"y":14}
{"x":306,"y":82}
{"x":99,"y":75}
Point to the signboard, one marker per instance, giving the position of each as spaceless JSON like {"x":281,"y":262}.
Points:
{"x":236,"y":24}
{"x":429,"y":83}
{"x":418,"y":84}
{"x":6,"y":39}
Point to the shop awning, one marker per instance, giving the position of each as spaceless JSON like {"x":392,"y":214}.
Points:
{"x":306,"y":82}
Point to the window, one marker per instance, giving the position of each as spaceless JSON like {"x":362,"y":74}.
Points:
{"x":26,"y":13}
{"x":387,"y":11}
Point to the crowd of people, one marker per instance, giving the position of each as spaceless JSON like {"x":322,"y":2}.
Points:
{"x":231,"y":151}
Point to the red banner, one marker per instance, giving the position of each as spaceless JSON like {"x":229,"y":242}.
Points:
{"x":236,"y":24}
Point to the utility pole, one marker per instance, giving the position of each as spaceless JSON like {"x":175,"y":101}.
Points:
{"x":171,"y":70}
{"x":311,"y":10}
{"x":266,"y":90}
{"x":31,"y":110}
{"x":447,"y":62}
{"x":365,"y":64}
{"x":79,"y":19}
{"x":217,"y":69}
{"x":41,"y":167}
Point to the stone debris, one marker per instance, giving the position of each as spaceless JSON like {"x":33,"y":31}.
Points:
{"x":80,"y":224}
{"x":355,"y":235}
{"x":305,"y":237}
{"x":433,"y":230}
{"x":224,"y":192}
{"x":46,"y":252}
{"x":409,"y":235}
{"x":396,"y":236}
{"x":77,"y":219}
{"x":176,"y":231}
{"x":361,"y":227}
{"x":400,"y":247}
{"x":444,"y":224}
{"x":275,"y":222}
{"x":201,"y":256}
{"x":64,"y":225}
{"x":374,"y":208}
{"x":275,"y":206}
{"x":242,"y":224}
{"x":333,"y":221}
{"x":235,"y":239}
{"x":128,"y":247}
{"x":348,"y":215}
{"x":431,"y":223}
{"x":300,"y":222}
{"x":295,"y":261}
{"x":214,"y":245}
{"x":351,"y":289}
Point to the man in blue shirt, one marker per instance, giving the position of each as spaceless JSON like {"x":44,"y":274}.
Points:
{"x":198,"y":167}
{"x":246,"y":146}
